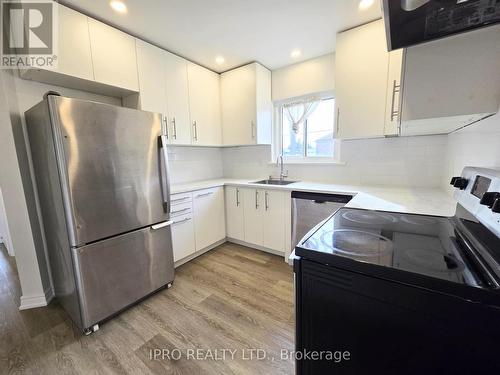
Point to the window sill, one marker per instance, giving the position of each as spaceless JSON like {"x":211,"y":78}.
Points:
{"x":311,"y":162}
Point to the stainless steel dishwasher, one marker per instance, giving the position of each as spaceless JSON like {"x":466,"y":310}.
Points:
{"x":310,"y":209}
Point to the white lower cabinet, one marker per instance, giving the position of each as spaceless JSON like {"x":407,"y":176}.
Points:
{"x":183,"y":236}
{"x":252,"y":207}
{"x":235,"y":224}
{"x":209,"y":217}
{"x":264,"y":217}
{"x":273,"y":220}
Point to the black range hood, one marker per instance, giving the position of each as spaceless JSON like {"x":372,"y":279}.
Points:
{"x":410,"y":22}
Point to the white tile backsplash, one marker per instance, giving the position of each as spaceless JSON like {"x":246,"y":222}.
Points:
{"x":405,"y":162}
{"x":477,"y":145}
{"x":194,"y":163}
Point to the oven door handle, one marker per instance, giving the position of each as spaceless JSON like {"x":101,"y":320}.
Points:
{"x":471,"y":255}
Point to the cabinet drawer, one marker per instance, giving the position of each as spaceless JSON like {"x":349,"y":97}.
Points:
{"x":181,"y":198}
{"x":185,"y":207}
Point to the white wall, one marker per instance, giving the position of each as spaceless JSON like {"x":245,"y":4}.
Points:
{"x":477,"y":145}
{"x":4,"y":227}
{"x":311,"y":76}
{"x":399,"y":162}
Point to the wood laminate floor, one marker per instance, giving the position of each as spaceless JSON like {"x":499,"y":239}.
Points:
{"x":232,"y":298}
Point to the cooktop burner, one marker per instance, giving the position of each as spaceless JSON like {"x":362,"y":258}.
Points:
{"x":357,"y":243}
{"x":418,"y":220}
{"x":433,"y":260}
{"x":369,"y":217}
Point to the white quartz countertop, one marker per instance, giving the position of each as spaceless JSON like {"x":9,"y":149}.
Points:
{"x":424,"y":201}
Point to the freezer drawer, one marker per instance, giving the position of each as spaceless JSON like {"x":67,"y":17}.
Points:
{"x":114,"y":273}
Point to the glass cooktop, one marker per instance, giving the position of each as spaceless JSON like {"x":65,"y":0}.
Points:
{"x":415,"y":243}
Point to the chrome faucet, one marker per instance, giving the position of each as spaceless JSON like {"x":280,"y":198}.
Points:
{"x":279,"y":163}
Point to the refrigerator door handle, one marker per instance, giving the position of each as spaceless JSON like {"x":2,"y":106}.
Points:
{"x":161,"y":225}
{"x":164,"y":172}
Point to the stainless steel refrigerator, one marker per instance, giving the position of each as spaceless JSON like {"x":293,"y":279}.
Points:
{"x":103,"y":183}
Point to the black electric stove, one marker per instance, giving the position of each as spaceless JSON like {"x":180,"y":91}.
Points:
{"x":404,"y":293}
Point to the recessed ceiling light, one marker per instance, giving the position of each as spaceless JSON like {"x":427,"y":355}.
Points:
{"x":296,"y":53}
{"x":365,"y":4}
{"x":118,"y":6}
{"x":220,"y":60}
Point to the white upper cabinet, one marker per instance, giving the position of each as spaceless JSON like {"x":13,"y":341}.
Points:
{"x":176,"y":83}
{"x":452,"y":82}
{"x":394,"y":89}
{"x":151,"y":70}
{"x":204,"y":106}
{"x":246,"y":105}
{"x":74,"y":55}
{"x":113,"y":55}
{"x":361,"y":80}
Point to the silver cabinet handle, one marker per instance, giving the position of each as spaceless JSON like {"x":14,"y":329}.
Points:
{"x":256,"y":199}
{"x":181,"y":221}
{"x":166,"y":126}
{"x":204,"y":194}
{"x":395,"y":89}
{"x":237,"y":197}
{"x":179,"y":199}
{"x":161,"y":225}
{"x":174,"y":135}
{"x":337,"y":124}
{"x":183,"y":210}
{"x":266,"y":200}
{"x":253,"y":129}
{"x":195,"y":136}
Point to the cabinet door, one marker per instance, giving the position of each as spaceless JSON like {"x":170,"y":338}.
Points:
{"x":209,"y":217}
{"x":235,"y":225}
{"x":74,"y":56}
{"x":238,"y":103}
{"x":113,"y":56}
{"x":274,"y":220}
{"x":361,"y":64}
{"x":150,"y":66}
{"x":183,"y":237}
{"x":253,"y":200}
{"x":204,"y":105}
{"x":394,"y":89}
{"x":177,"y":99}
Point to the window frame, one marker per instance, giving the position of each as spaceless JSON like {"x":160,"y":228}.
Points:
{"x":277,"y":139}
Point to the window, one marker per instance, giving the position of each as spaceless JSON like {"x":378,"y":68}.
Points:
{"x":311,"y":139}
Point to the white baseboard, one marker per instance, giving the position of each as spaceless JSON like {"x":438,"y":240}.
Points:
{"x":180,"y":262}
{"x":42,"y":300}
{"x":257,"y":247}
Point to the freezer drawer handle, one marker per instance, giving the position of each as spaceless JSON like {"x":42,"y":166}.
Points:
{"x":161,"y":225}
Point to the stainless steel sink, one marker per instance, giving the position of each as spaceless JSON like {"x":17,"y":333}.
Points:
{"x":274,"y":182}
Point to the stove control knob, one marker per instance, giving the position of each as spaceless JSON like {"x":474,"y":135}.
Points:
{"x":496,"y":206}
{"x":453,"y":179}
{"x":489,"y":198}
{"x":460,"y":182}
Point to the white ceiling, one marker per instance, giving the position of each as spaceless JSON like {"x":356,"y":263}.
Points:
{"x":240,"y":30}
